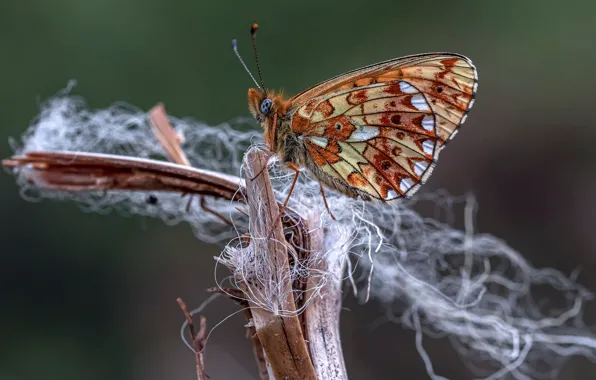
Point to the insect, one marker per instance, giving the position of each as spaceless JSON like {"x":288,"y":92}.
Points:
{"x":374,"y":132}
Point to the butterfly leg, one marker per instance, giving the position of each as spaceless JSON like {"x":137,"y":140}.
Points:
{"x":297,"y":171}
{"x":325,"y":201}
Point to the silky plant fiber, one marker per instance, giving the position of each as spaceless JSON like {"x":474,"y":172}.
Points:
{"x":433,"y":278}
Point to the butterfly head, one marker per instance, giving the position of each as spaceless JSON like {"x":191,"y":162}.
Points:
{"x":264,"y":105}
{"x":270,"y":110}
{"x":259,"y":104}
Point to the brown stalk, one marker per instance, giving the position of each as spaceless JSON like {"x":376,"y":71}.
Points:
{"x":166,"y":135}
{"x":75,"y":171}
{"x":281,"y":335}
{"x":170,"y":141}
{"x":321,"y":317}
{"x":198,"y":339}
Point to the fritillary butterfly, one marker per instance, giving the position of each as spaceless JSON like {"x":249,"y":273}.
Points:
{"x":375,"y":132}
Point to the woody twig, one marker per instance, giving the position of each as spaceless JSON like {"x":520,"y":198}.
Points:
{"x":303,"y":345}
{"x":77,"y":171}
{"x":277,"y":326}
{"x":321,"y":317}
{"x":197,"y":338}
{"x":287,"y":344}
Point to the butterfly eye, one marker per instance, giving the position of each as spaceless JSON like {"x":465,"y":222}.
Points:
{"x":266,"y":106}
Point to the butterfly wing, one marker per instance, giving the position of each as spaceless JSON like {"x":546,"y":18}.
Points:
{"x":377,"y":131}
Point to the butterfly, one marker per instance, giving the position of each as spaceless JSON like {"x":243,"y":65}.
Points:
{"x":373,"y":133}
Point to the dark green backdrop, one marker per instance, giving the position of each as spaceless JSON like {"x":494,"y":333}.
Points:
{"x":93,"y":297}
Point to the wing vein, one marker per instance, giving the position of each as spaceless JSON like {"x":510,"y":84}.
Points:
{"x":391,"y":158}
{"x":348,"y":163}
{"x":379,"y":172}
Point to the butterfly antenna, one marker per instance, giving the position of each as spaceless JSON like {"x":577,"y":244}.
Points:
{"x":253,"y":35}
{"x":235,"y":47}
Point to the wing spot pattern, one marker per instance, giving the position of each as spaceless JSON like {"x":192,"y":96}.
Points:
{"x":405,"y":184}
{"x":364,"y":133}
{"x":407,"y":88}
{"x":428,"y":123}
{"x":320,"y":141}
{"x":420,"y":167}
{"x":419,"y":102}
{"x":391,"y":195}
{"x":428,"y":146}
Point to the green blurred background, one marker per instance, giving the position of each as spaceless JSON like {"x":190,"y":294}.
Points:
{"x":90,"y":296}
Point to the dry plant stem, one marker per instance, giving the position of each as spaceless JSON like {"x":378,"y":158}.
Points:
{"x":170,"y":141}
{"x":281,"y":336}
{"x":281,"y":340}
{"x":167,"y":135}
{"x":198,"y":339}
{"x":77,"y":171}
{"x":322,"y":313}
{"x":80,"y":172}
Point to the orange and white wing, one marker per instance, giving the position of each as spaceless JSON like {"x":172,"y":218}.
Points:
{"x":377,"y":131}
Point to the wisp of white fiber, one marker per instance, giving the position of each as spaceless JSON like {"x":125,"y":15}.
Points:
{"x":433,"y":278}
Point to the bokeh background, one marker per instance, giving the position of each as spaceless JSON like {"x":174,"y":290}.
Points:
{"x":93,"y":296}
